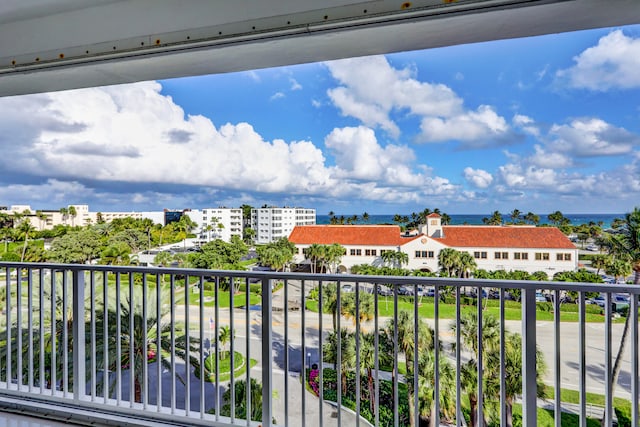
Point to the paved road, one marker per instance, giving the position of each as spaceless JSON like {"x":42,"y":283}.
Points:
{"x":569,"y":357}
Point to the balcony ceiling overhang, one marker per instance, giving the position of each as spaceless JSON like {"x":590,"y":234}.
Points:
{"x":48,"y":45}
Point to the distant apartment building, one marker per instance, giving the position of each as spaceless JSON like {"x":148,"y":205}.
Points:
{"x":272,"y":224}
{"x":72,"y":215}
{"x":508,"y":248}
{"x":217,"y":223}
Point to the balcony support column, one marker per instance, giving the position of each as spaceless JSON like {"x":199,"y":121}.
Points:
{"x":267,"y":357}
{"x":78,"y":331}
{"x":529,"y":386}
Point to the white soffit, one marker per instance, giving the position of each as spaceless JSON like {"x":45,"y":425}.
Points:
{"x":48,"y":45}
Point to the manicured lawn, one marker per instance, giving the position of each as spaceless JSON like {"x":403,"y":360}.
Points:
{"x":448,"y":311}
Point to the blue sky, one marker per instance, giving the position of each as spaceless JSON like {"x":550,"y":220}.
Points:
{"x":537,"y":124}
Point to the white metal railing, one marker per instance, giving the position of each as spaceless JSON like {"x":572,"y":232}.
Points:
{"x":140,"y":343}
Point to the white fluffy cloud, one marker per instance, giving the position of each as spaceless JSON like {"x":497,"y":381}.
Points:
{"x":134,"y":134}
{"x":477,"y":177}
{"x":373,"y":91}
{"x":477,"y":127}
{"x":612,"y":64}
{"x":592,"y":137}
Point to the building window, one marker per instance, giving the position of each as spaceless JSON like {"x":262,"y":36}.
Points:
{"x":520,"y":255}
{"x":542,"y":256}
{"x":430,"y":254}
{"x":424,"y":254}
{"x":355,"y":252}
{"x":563,"y":257}
{"x":480,"y":255}
{"x":370,"y":252}
{"x":501,"y":255}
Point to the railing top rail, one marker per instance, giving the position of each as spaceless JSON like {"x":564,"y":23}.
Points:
{"x":383,"y":280}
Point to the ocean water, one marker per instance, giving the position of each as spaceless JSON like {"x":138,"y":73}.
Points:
{"x":576,"y":219}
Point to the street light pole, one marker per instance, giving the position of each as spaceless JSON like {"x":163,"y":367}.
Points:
{"x":308,"y":360}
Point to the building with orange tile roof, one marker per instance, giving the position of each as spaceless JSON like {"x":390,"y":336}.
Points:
{"x":526,"y":248}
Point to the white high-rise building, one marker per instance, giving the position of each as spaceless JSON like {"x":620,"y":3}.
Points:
{"x":217,"y":223}
{"x":271,"y":224}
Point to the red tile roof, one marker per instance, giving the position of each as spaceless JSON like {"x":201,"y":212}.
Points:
{"x":378,"y":235}
{"x":455,"y":236}
{"x":433,"y":215}
{"x":504,"y":237}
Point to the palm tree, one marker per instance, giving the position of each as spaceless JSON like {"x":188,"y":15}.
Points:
{"x":224,"y":337}
{"x":240,"y":394}
{"x":24,"y":229}
{"x":315,"y":253}
{"x":65,"y":214}
{"x":72,"y":213}
{"x":150,"y":328}
{"x":365,"y":217}
{"x":365,"y":307}
{"x":495,"y":219}
{"x":407,"y":344}
{"x":626,"y":245}
{"x":469,"y":341}
{"x":448,"y":259}
{"x":599,"y":262}
{"x":532,"y":218}
{"x":333,"y":255}
{"x":347,"y":353}
{"x":466,"y":264}
{"x":427,"y":387}
{"x":515,"y":216}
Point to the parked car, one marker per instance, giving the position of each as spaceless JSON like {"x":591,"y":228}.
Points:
{"x":385,"y":291}
{"x":430,"y":292}
{"x":540,"y":297}
{"x":347,"y":288}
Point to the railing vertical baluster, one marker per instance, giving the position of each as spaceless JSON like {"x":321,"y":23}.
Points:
{"x":338,"y":338}
{"x":286,"y":353}
{"x":54,"y":347}
{"x":172,"y":292}
{"x":8,"y":309}
{"x":187,"y":344}
{"x":583,"y":362}
{"x":145,"y":350}
{"x":30,"y":328}
{"x":19,"y":367}
{"x":247,"y":305}
{"x":529,"y":385}
{"x":41,"y":374}
{"x":159,"y":331}
{"x":232,"y":385}
{"x":459,"y":416}
{"x":320,"y":358}
{"x":303,"y":351}
{"x":92,"y":319}
{"x":358,"y":346}
{"x":416,"y":357}
{"x":436,"y":346}
{"x":556,"y":361}
{"x":105,"y":336}
{"x":480,"y":357}
{"x":376,"y":342}
{"x":65,"y":335}
{"x":503,"y":386}
{"x":396,"y":406}
{"x":118,"y":319}
{"x":132,"y":350}
{"x":633,"y":312}
{"x":267,"y":358}
{"x":79,"y":339}
{"x":216,"y":314}
{"x":201,"y":318}
{"x":608,"y":402}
